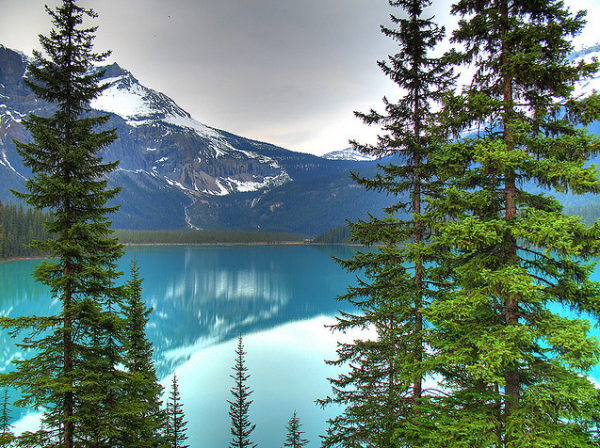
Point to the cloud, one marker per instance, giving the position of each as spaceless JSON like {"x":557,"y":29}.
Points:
{"x":262,"y":68}
{"x":286,"y":72}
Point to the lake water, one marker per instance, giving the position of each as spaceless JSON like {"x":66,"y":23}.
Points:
{"x":279,"y":297}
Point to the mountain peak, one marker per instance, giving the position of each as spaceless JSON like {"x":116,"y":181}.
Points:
{"x":129,"y":99}
{"x":113,"y":71}
{"x":348,"y":154}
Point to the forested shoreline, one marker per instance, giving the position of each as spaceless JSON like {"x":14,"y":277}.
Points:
{"x":193,"y":237}
{"x":20,"y":226}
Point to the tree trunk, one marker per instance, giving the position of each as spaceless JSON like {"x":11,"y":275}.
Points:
{"x":511,"y":301}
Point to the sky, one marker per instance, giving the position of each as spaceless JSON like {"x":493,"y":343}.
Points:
{"x":286,"y":72}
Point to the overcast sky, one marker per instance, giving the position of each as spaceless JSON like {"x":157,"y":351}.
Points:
{"x":287,"y":72}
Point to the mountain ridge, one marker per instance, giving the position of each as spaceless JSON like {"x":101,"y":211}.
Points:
{"x":176,"y":172}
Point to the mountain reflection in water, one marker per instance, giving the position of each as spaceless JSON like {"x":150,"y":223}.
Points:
{"x":205,"y":295}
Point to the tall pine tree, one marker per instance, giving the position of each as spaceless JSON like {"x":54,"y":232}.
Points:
{"x":241,"y":428}
{"x":383,"y":393}
{"x":72,"y":373}
{"x":515,"y":365}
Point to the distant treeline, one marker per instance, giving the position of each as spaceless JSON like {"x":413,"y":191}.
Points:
{"x":19,"y":226}
{"x":203,"y":237}
{"x":588,"y":213}
{"x":338,"y":235}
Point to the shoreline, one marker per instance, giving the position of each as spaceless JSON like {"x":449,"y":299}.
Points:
{"x":22,"y":258}
{"x":250,"y":243}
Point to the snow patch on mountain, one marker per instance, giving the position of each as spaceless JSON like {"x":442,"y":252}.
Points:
{"x":127,"y":103}
{"x":589,"y":54}
{"x":222,"y":191}
{"x":174,"y":183}
{"x":226,"y":185}
{"x":5,"y":162}
{"x":10,"y":115}
{"x":270,"y":181}
{"x":186,"y":121}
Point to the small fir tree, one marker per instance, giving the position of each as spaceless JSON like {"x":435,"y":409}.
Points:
{"x":241,"y":428}
{"x":143,"y":391}
{"x":5,"y":426}
{"x":6,"y":435}
{"x":176,"y":431}
{"x":294,"y":435}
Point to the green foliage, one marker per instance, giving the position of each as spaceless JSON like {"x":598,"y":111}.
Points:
{"x":241,"y":428}
{"x":72,"y":372}
{"x":175,"y":433}
{"x":337,"y":235}
{"x":466,"y":294}
{"x":294,"y":435}
{"x":383,"y":392}
{"x":514,"y":367}
{"x":7,"y":439}
{"x":19,"y":227}
{"x":144,"y":420}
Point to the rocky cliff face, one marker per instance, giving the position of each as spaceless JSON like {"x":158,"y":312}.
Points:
{"x":167,"y":142}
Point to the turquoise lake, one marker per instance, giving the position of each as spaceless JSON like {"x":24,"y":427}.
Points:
{"x":280,"y":298}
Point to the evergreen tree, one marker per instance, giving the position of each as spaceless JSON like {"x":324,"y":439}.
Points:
{"x":72,"y":373}
{"x":515,"y":367}
{"x":6,"y":435}
{"x":383,"y":393}
{"x":176,"y":425}
{"x":5,"y":425}
{"x":241,"y":428}
{"x":142,"y":391}
{"x":294,"y":435}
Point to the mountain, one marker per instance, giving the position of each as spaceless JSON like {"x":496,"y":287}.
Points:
{"x":348,"y":154}
{"x":176,"y":172}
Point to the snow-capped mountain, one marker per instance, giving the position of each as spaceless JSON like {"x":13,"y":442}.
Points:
{"x":348,"y":154}
{"x":588,"y":55}
{"x":146,"y":111}
{"x":177,"y":172}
